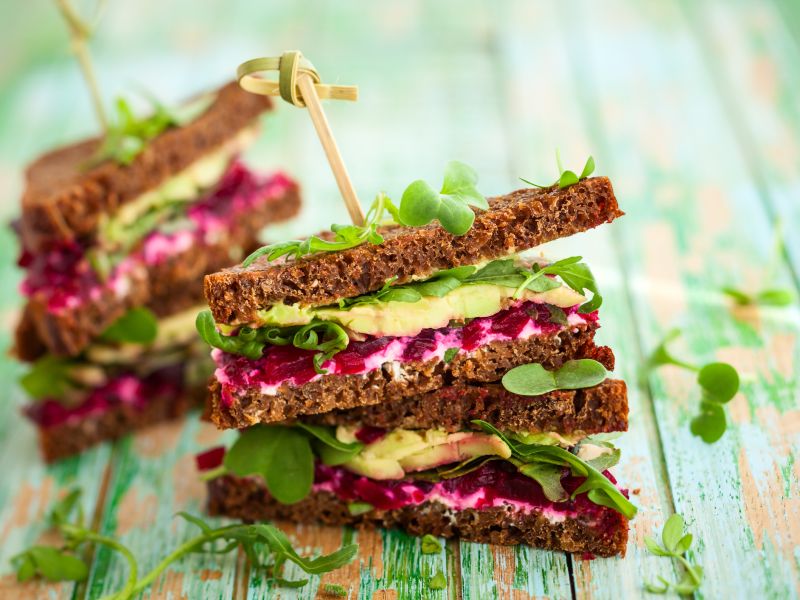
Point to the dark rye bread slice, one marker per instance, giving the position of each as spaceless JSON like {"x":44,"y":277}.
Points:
{"x":249,"y":500}
{"x":515,"y":222}
{"x":70,"y":438}
{"x":330,"y":392}
{"x":168,"y":287}
{"x":599,"y":409}
{"x":62,"y":201}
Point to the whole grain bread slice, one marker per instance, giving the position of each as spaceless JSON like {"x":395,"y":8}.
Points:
{"x":63,"y":200}
{"x":249,"y":500}
{"x":518,"y":221}
{"x":166,"y":288}
{"x":599,"y":409}
{"x":331,"y":392}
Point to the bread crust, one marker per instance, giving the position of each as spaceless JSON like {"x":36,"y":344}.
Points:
{"x":249,"y":500}
{"x":166,"y":288}
{"x":486,"y":364}
{"x":62,"y":201}
{"x":599,"y":409}
{"x":518,"y":221}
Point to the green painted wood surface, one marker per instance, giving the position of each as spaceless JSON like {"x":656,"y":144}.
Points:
{"x":692,"y":108}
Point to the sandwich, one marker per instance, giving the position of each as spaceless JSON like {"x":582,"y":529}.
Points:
{"x":116,"y":233}
{"x":433,"y":377}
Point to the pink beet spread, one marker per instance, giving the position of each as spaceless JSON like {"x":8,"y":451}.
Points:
{"x":497,"y":483}
{"x":63,"y":277}
{"x":124,"y":390}
{"x":289,"y":365}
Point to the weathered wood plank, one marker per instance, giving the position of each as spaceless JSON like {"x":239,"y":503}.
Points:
{"x":698,"y":224}
{"x":544,"y":113}
{"x":752,"y":58}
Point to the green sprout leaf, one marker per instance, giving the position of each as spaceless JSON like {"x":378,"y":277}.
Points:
{"x":450,"y":354}
{"x":720,"y":381}
{"x":567,"y":178}
{"x":676,"y":542}
{"x":710,"y":424}
{"x":137,"y":326}
{"x":421,"y":204}
{"x":534,"y":380}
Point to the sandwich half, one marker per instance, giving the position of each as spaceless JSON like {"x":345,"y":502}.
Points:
{"x":113,"y":256}
{"x":403,"y":383}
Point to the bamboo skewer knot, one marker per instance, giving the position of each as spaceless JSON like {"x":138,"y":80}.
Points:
{"x":291,"y":66}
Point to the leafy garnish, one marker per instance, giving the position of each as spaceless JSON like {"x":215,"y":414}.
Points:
{"x":567,"y":178}
{"x":344,"y":237}
{"x":137,"y":326}
{"x":49,"y":377}
{"x":598,"y":487}
{"x":127,"y":135}
{"x":324,"y":337}
{"x":533,"y":379}
{"x":719,"y":383}
{"x":503,"y":272}
{"x":430,"y":544}
{"x":421,"y":204}
{"x":450,"y":354}
{"x":63,"y":564}
{"x":676,"y":542}
{"x":438,"y":581}
{"x":282,"y":456}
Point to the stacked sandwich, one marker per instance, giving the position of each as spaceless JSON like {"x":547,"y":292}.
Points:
{"x":116,"y":235}
{"x":444,"y":384}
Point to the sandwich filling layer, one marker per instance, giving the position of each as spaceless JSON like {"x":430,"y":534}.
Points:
{"x":289,"y":365}
{"x":549,"y":473}
{"x":70,"y":274}
{"x":109,"y":375}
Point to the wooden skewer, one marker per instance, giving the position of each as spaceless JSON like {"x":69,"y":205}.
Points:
{"x":320,"y":121}
{"x":297,"y":74}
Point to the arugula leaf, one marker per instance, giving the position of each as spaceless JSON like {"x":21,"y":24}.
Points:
{"x":280,"y":455}
{"x":345,"y":236}
{"x":421,"y":204}
{"x":567,"y":178}
{"x":534,"y":380}
{"x":324,"y":337}
{"x":549,"y":477}
{"x":137,"y":326}
{"x":676,"y":542}
{"x":128,"y":135}
{"x":49,"y":377}
{"x":330,"y":450}
{"x":597,"y":486}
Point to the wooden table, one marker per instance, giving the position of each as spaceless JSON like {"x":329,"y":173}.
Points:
{"x":693,"y":110}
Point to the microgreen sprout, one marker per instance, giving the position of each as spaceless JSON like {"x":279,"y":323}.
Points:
{"x":675,"y":543}
{"x":719,"y":383}
{"x":566,"y":177}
